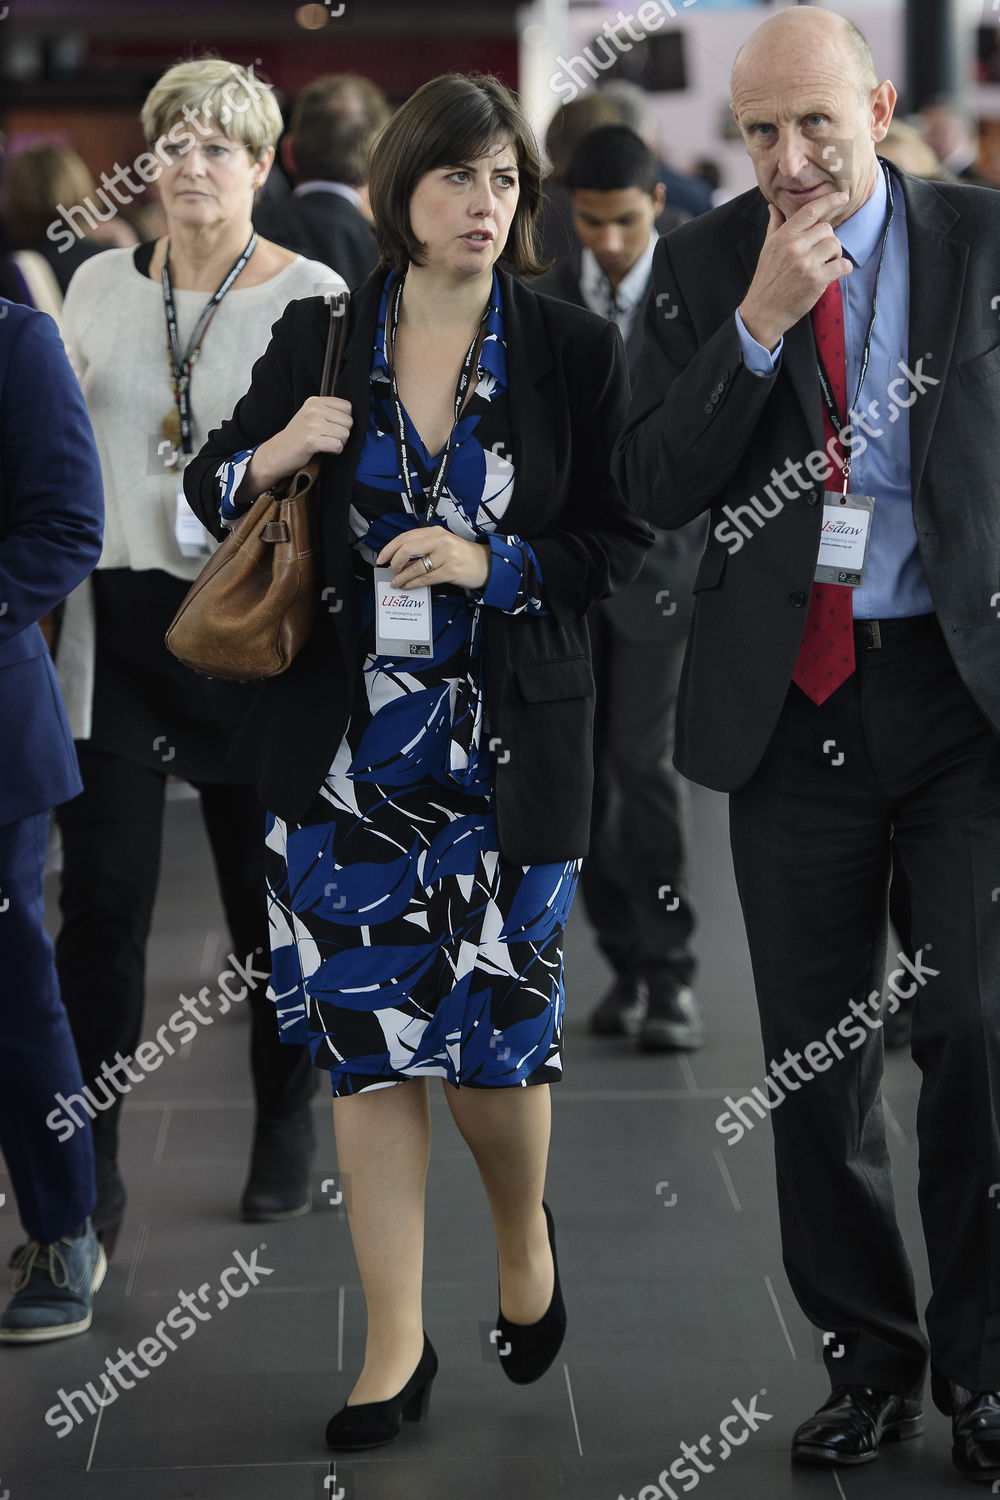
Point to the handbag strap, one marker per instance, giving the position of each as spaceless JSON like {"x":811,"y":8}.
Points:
{"x":339,"y":305}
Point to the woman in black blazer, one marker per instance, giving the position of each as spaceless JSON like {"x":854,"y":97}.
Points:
{"x":430,"y":789}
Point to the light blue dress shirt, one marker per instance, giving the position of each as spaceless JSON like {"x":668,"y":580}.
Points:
{"x":895,"y":583}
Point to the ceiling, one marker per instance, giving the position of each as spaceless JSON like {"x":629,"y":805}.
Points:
{"x":263,"y":17}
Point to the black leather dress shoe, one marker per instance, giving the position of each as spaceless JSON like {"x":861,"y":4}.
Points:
{"x":620,"y":1011}
{"x":278,"y":1185}
{"x":673,"y":1021}
{"x":849,"y":1427}
{"x":975,"y":1427}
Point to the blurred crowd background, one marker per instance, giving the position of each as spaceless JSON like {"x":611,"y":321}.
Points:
{"x":73,"y":74}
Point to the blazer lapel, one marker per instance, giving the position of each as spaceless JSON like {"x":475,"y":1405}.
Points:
{"x":937,"y":278}
{"x":532,"y":417}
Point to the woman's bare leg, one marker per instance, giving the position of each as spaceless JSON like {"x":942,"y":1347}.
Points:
{"x":507,"y":1131}
{"x":383,"y":1146}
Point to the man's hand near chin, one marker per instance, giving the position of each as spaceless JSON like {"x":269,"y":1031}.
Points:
{"x":799,"y":258}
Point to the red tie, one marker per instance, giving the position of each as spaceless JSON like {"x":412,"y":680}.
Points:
{"x":826,"y":656}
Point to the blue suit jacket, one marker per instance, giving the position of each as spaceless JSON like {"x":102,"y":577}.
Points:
{"x":51,"y":523}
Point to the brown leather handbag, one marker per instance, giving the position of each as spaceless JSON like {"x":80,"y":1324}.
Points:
{"x":253,"y":605}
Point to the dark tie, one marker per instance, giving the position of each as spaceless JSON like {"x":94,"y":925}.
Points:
{"x":826,"y":656}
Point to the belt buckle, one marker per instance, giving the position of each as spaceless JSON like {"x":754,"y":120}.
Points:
{"x":873,"y":633}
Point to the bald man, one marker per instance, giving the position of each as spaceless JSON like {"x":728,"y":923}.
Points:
{"x":842,"y":683}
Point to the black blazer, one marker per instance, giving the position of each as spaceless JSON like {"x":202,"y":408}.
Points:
{"x":568,"y":391}
{"x":322,"y":226}
{"x":657,"y":606}
{"x":704,"y":432}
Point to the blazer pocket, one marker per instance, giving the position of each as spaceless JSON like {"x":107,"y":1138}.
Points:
{"x":710,"y":569}
{"x":981,"y":367}
{"x":549,"y":681}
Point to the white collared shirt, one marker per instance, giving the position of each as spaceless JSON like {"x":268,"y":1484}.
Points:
{"x":629,"y":294}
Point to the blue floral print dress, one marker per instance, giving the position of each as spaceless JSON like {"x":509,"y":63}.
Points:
{"x":403,"y":945}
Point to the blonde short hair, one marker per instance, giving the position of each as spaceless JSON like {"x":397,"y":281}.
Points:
{"x":223,"y":94}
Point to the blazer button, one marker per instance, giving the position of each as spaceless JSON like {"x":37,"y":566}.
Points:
{"x":709,"y":408}
{"x":720,"y":388}
{"x":798,"y":598}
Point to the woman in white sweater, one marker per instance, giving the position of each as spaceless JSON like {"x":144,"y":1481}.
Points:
{"x":163,"y":339}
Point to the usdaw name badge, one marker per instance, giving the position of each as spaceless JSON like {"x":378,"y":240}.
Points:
{"x":403,"y":625}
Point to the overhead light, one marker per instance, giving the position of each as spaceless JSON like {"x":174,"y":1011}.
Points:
{"x":312,"y":17}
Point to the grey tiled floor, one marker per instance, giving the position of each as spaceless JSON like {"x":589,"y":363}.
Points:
{"x":668,"y":1250}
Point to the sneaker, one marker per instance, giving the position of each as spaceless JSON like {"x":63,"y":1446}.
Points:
{"x":620,"y":1011}
{"x":54,"y":1288}
{"x":673,"y":1020}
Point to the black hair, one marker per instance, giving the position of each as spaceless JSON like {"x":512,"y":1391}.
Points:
{"x":611,"y":159}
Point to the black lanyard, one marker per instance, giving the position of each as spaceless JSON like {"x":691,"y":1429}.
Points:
{"x":180,"y":363}
{"x":437,"y":483}
{"x":829,"y":400}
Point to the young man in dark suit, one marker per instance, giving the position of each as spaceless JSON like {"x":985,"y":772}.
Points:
{"x":334,"y":121}
{"x":634,"y":878}
{"x":852,"y":719}
{"x":51,"y":523}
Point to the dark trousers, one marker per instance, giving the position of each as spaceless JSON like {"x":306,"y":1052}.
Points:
{"x":634,"y":879}
{"x":112,"y":836}
{"x":899,"y":763}
{"x":52,"y":1173}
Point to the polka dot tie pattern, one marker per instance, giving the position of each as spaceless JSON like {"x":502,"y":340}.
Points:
{"x":826,"y":656}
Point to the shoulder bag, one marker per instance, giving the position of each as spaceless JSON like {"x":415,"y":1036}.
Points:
{"x":253,"y":605}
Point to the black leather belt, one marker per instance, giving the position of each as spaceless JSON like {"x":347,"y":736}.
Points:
{"x":871,"y":635}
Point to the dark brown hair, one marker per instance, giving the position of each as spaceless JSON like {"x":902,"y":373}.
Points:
{"x":37,"y":180}
{"x":334,"y":121}
{"x":449,"y":120}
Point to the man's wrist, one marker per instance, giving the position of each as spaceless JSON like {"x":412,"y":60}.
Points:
{"x":768,"y":336}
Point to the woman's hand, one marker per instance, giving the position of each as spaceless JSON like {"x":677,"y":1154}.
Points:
{"x":321,"y":425}
{"x":452,"y":558}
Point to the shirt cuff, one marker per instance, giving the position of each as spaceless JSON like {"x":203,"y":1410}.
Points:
{"x":515,"y":578}
{"x":230,"y":476}
{"x":758,"y":360}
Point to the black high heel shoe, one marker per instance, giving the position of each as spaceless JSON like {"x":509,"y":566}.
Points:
{"x":377,"y":1422}
{"x":531,"y":1347}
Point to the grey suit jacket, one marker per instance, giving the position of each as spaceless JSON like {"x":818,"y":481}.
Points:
{"x":703,"y":433}
{"x":656,"y":606}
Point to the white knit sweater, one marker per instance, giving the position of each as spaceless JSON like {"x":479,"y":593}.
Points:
{"x":115,"y":331}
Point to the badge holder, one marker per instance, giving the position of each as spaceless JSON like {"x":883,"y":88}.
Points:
{"x":403,"y":623}
{"x":843,"y":546}
{"x":191,"y":537}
